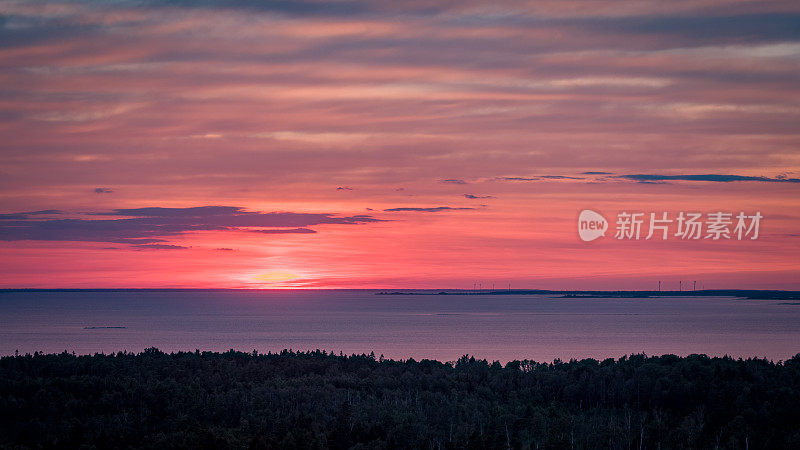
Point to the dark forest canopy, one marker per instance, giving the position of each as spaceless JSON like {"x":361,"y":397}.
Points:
{"x":321,"y":400}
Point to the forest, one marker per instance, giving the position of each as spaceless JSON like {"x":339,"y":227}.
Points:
{"x":310,"y":400}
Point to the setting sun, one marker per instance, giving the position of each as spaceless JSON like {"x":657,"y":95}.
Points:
{"x":275,"y":277}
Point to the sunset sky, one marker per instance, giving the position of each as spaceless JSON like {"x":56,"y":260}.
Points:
{"x":372,"y":144}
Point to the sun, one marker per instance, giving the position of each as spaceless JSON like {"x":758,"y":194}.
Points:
{"x":275,"y":277}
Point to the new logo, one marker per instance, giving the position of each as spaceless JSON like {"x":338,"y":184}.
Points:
{"x":591,"y":225}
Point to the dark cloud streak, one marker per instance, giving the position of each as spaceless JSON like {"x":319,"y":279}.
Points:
{"x":144,"y":226}
{"x":159,"y":247}
{"x":476,"y":197}
{"x":650,"y":178}
{"x":431,"y":209}
{"x":285,"y":231}
{"x":714,"y":27}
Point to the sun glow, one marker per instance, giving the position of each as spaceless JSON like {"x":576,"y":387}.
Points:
{"x":275,"y":277}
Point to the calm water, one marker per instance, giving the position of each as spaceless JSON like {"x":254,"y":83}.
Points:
{"x":426,"y":326}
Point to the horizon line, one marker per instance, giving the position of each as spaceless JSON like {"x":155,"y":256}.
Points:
{"x":394,"y":290}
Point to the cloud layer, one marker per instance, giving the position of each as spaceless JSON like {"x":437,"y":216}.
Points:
{"x":144,"y":227}
{"x":291,"y":108}
{"x":428,"y":209}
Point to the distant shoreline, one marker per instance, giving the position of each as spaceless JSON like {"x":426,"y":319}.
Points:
{"x":744,"y":293}
{"x":762,"y":294}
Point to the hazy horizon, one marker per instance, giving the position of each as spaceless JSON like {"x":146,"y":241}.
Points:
{"x":401,"y":290}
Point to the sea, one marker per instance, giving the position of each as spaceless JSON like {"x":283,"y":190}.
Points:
{"x":423,"y":326}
